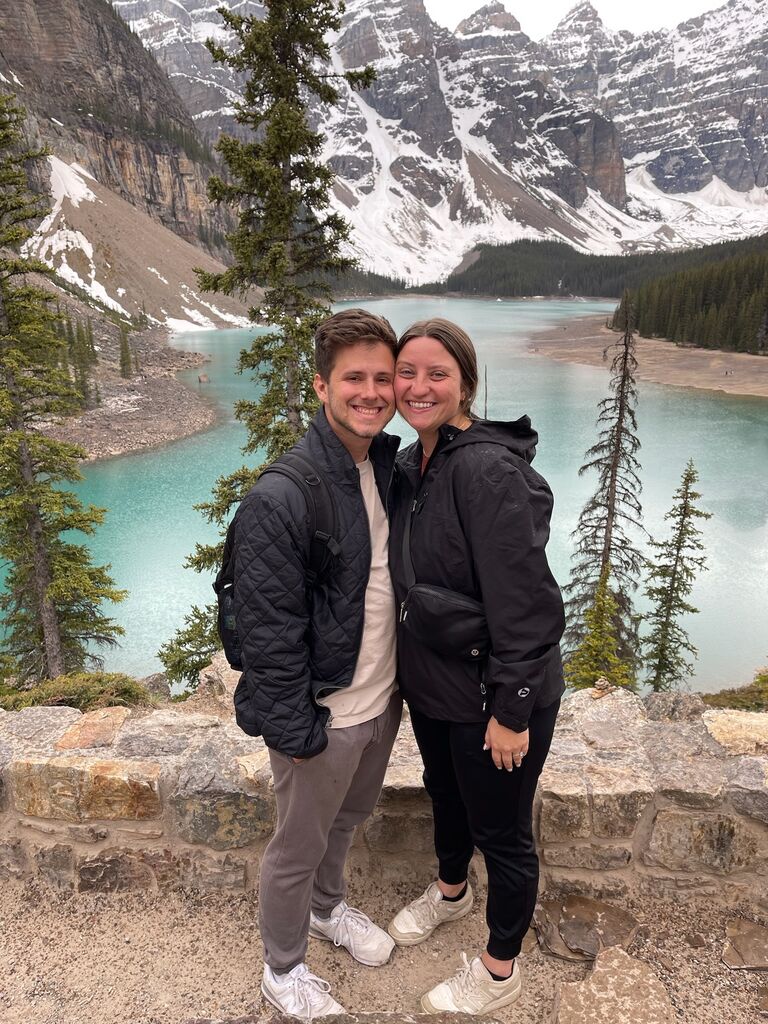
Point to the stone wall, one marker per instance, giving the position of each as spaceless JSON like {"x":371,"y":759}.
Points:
{"x":635,"y":794}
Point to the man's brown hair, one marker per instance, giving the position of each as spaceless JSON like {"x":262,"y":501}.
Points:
{"x":347,"y":328}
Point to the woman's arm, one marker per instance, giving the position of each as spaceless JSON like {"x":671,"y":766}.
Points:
{"x":508,"y":509}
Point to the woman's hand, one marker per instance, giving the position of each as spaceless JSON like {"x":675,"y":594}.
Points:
{"x":507,"y":747}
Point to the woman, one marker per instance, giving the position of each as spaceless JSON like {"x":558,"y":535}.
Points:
{"x":476,"y":518}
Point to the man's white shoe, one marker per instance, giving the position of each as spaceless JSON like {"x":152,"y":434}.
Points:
{"x":416,"y":922}
{"x":473,"y":990}
{"x":299,"y":993}
{"x":352,"y":929}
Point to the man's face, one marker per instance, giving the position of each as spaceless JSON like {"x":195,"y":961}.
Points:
{"x":358,"y":396}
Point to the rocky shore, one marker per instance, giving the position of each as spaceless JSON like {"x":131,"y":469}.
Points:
{"x":584,"y":340}
{"x":148,"y":409}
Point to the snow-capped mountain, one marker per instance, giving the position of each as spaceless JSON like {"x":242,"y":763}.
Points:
{"x":608,"y":141}
{"x":691,"y":103}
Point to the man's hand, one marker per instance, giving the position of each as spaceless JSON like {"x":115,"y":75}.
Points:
{"x":298,"y":760}
{"x":507,"y":747}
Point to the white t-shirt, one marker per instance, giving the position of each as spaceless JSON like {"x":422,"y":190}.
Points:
{"x":374,"y":680}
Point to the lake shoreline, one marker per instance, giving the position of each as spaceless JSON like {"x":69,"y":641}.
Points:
{"x":584,"y":340}
{"x":148,"y":410}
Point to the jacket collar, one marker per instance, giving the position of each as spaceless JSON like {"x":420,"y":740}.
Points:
{"x":332,"y":455}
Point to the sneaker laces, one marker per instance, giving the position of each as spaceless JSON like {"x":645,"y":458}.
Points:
{"x":350,"y":920}
{"x":424,"y":910}
{"x":305,"y":987}
{"x":464,"y":985}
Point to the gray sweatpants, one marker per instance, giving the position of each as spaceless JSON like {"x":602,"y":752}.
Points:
{"x":319,"y":803}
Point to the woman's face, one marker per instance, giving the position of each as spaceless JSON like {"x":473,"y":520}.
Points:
{"x":428,"y":387}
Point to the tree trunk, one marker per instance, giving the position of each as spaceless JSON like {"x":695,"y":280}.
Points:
{"x":293,"y":402}
{"x":41,"y":576}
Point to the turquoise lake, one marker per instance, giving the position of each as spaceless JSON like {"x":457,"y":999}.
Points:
{"x":151,"y":525}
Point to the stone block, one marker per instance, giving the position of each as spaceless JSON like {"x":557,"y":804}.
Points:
{"x":115,"y":870}
{"x":739,"y":732}
{"x":748,"y":788}
{"x":73,"y":788}
{"x":387,"y":832}
{"x":696,"y":842}
{"x":619,"y":988}
{"x":56,"y":865}
{"x":564,"y":812}
{"x":95,"y":729}
{"x":674,"y":707}
{"x":620,"y":792}
{"x":13,"y":860}
{"x":164,"y":734}
{"x":203,"y":871}
{"x":699,"y":784}
{"x":221,"y":802}
{"x":590,"y":856}
{"x":620,"y":706}
{"x":35,"y":730}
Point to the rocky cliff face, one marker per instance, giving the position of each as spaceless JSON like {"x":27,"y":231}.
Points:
{"x":96,"y":96}
{"x":607,"y":140}
{"x":691,"y":103}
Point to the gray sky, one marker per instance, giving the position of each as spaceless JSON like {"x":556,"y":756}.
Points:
{"x":538,"y":19}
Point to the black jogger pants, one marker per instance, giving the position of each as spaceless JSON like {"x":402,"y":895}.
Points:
{"x":478,"y":805}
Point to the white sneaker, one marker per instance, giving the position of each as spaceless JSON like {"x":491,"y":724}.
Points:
{"x":299,"y":993}
{"x":416,"y":922}
{"x":352,"y":929}
{"x":472,"y":990}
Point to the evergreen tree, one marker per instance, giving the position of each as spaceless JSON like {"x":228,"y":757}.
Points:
{"x":125,"y":352}
{"x":604,"y":546}
{"x":286,"y":241}
{"x":670,"y":581}
{"x":597,"y":655}
{"x":53,"y":595}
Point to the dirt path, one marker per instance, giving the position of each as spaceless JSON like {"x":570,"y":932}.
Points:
{"x":164,"y":959}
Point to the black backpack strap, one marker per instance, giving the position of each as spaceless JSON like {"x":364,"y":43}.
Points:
{"x":324,"y":548}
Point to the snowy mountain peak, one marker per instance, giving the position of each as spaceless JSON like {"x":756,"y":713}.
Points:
{"x":582,"y":19}
{"x":492,"y":17}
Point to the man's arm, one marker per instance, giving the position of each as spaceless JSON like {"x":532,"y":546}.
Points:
{"x":272,"y":615}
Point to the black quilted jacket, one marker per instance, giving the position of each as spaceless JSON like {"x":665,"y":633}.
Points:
{"x":298,"y":645}
{"x":480,"y":527}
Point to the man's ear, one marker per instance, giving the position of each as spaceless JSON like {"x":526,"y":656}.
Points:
{"x":321,"y":388}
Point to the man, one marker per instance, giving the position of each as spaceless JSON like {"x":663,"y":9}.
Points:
{"x":319,"y":662}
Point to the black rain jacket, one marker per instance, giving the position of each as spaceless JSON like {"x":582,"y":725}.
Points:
{"x":480,"y":527}
{"x":298,"y":643}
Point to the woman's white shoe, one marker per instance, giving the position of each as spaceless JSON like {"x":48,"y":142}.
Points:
{"x":473,"y":990}
{"x":416,"y":922}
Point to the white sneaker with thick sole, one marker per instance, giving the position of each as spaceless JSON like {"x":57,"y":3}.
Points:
{"x":352,"y":929}
{"x":416,"y":922}
{"x":299,"y":993}
{"x":472,"y":990}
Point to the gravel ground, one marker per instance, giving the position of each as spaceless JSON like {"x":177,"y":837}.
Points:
{"x":152,"y":958}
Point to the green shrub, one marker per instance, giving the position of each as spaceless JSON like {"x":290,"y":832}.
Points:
{"x":752,"y":697}
{"x":82,"y":690}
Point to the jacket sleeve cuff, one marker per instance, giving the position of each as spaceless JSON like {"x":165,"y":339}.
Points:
{"x":515,"y":686}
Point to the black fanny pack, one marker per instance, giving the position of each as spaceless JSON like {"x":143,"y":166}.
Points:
{"x":444,"y":620}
